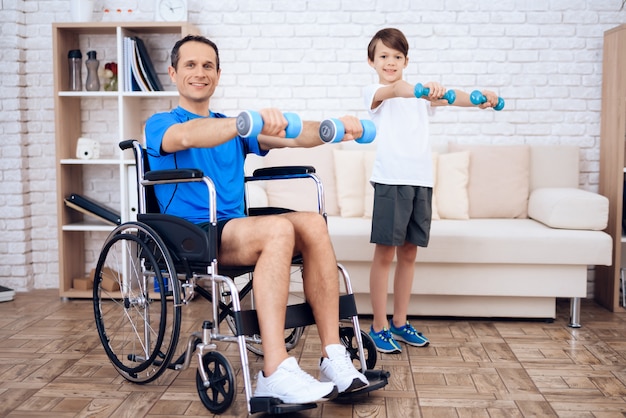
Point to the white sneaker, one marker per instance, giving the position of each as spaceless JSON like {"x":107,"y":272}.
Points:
{"x":338,"y":368}
{"x":291,"y":384}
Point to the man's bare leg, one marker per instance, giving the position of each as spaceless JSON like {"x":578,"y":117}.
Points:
{"x":320,"y":277}
{"x":267,"y":242}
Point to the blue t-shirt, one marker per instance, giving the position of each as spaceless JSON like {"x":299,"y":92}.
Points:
{"x":224,"y":164}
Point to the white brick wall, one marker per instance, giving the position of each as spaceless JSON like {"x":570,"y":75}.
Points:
{"x":543,"y":57}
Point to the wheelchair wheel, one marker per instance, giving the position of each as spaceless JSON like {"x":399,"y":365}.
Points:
{"x":348,"y":339}
{"x":220,"y":393}
{"x":136,"y":299}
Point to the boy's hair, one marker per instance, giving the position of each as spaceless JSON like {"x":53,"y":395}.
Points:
{"x":392,"y":38}
{"x":193,"y":38}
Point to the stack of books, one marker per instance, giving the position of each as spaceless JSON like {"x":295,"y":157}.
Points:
{"x":139,"y":73}
{"x":6,"y":294}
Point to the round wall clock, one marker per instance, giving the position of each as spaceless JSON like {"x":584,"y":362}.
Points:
{"x":170,"y":10}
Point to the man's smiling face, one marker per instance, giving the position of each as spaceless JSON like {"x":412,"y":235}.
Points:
{"x":196,"y":75}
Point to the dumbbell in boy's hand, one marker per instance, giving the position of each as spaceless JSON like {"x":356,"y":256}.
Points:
{"x":349,"y":127}
{"x":438,"y":92}
{"x":268,"y":122}
{"x":487,"y":99}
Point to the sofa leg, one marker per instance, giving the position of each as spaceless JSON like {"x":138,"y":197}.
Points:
{"x":574,"y":313}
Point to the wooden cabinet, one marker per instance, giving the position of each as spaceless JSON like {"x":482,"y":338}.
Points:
{"x":612,"y":164}
{"x":108,"y":117}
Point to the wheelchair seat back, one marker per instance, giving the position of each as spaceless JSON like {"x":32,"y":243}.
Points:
{"x":190,"y":246}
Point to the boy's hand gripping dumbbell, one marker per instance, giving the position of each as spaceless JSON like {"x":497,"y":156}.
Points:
{"x":477,"y":98}
{"x":421,"y":91}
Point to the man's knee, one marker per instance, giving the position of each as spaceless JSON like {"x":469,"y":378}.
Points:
{"x":275,"y":229}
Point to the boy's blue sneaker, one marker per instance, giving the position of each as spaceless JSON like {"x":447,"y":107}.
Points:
{"x":408,"y":334}
{"x":384,"y":342}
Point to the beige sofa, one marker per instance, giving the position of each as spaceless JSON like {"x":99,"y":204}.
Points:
{"x":511,"y":229}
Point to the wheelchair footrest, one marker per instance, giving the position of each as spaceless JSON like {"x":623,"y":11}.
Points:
{"x":276,"y":406}
{"x":377,"y":378}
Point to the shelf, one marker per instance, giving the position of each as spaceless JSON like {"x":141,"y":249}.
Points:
{"x":612,"y":161}
{"x":87,"y":94}
{"x":113,"y":94}
{"x":95,"y":161}
{"x":149,"y":94}
{"x":88,"y":226}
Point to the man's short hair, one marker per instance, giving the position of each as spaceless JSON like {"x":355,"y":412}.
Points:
{"x":193,"y":38}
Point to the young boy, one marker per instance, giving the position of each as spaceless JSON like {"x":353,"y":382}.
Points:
{"x":403,"y":180}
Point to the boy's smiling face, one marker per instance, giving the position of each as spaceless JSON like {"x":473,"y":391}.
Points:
{"x":388,"y":63}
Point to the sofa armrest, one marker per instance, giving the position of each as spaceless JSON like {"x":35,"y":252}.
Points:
{"x":569,"y":208}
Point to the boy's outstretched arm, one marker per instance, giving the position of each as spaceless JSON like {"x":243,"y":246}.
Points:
{"x":463,"y":100}
{"x":402,"y":88}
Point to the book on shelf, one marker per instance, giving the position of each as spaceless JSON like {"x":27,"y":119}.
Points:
{"x":6,"y":294}
{"x":92,"y":208}
{"x":139,"y":71}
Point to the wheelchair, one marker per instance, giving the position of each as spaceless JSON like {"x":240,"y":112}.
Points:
{"x":151,"y":268}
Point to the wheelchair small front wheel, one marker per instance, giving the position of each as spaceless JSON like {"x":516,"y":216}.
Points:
{"x":348,"y":339}
{"x":219,"y":392}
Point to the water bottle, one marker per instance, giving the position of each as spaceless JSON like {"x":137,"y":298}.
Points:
{"x":75,"y":60}
{"x":93,"y":82}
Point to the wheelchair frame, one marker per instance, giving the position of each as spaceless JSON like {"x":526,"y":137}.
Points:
{"x":148,"y":269}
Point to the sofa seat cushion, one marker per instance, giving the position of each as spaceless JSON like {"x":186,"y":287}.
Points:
{"x":494,"y":241}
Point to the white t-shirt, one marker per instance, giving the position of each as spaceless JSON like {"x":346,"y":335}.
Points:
{"x":403,"y":150}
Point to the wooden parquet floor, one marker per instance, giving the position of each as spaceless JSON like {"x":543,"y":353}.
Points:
{"x":52,"y":364}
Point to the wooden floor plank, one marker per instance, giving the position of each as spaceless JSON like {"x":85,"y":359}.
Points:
{"x":52,"y":364}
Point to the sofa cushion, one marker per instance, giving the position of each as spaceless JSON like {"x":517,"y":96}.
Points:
{"x":569,"y":208}
{"x":435,"y":210}
{"x":451,"y":186}
{"x":554,"y":166}
{"x":301,"y":194}
{"x":368,"y":164}
{"x":350,"y":183}
{"x":483,"y":241}
{"x":498,"y":180}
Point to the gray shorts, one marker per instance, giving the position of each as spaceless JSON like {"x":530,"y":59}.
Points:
{"x":401,"y":213}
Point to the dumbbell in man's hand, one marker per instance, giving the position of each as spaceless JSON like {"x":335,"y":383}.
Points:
{"x":250,"y":124}
{"x":332,"y":130}
{"x":421,"y":91}
{"x":477,"y":98}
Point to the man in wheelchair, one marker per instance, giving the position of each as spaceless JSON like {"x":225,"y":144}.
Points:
{"x":192,"y":136}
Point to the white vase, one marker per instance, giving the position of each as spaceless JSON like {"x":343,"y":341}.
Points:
{"x":81,"y":10}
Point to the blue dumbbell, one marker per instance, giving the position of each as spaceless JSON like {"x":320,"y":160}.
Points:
{"x":477,"y":98}
{"x":332,"y":130}
{"x":421,"y":91}
{"x":250,"y":124}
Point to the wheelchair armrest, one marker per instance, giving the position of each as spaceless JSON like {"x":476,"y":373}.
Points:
{"x":287,"y":173}
{"x":291,"y":171}
{"x":176,"y":174}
